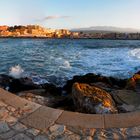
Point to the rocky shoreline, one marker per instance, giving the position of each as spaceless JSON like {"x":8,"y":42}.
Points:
{"x":90,"y":93}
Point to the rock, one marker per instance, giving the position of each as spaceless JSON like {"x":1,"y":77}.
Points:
{"x":42,"y":97}
{"x":19,"y":127}
{"x":22,"y":84}
{"x":127,"y":100}
{"x":5,"y":80}
{"x":41,"y":137}
{"x":4,"y":127}
{"x":82,"y":131}
{"x":33,"y":131}
{"x":56,"y":130}
{"x":90,"y":99}
{"x":52,"y":89}
{"x":20,"y":136}
{"x":17,"y":85}
{"x":93,"y":78}
{"x":134,"y":82}
{"x":8,"y":134}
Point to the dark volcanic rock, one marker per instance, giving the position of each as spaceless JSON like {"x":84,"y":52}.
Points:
{"x":22,"y":84}
{"x":5,"y":81}
{"x":90,"y":99}
{"x":93,"y":78}
{"x":52,"y":89}
{"x":17,"y":85}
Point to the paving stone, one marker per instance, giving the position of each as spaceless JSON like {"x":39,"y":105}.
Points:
{"x":133,"y":138}
{"x":8,"y":134}
{"x":56,"y":130}
{"x":42,"y":118}
{"x":4,"y":127}
{"x":82,"y":131}
{"x":87,"y":138}
{"x":81,"y":120}
{"x":59,"y":137}
{"x":122,"y":120}
{"x":73,"y":137}
{"x":3,"y":113}
{"x":117,"y":136}
{"x":10,"y":108}
{"x":133,"y":132}
{"x":67,"y":137}
{"x":2,"y":104}
{"x":41,"y":137}
{"x":20,"y":137}
{"x":19,"y":127}
{"x":11,"y":120}
{"x":33,"y":131}
{"x":18,"y":102}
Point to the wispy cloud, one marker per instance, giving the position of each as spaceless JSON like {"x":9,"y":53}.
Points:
{"x":52,"y":17}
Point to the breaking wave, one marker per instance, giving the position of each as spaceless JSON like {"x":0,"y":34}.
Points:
{"x":16,"y":71}
{"x":135,"y":53}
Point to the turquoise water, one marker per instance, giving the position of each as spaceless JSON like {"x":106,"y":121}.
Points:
{"x":60,"y":59}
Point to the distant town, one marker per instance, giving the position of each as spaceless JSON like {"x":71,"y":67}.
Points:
{"x":41,"y":32}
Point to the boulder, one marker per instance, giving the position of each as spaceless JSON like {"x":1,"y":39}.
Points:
{"x":127,"y":100}
{"x":91,"y":99}
{"x":17,"y":85}
{"x":93,"y":78}
{"x":22,"y":84}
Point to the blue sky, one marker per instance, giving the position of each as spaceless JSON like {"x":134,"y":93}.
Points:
{"x":71,"y":13}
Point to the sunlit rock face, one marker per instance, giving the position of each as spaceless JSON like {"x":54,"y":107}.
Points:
{"x":90,"y":99}
{"x":134,"y":82}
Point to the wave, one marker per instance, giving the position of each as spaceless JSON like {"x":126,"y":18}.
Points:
{"x":38,"y":80}
{"x":16,"y":71}
{"x":135,"y":53}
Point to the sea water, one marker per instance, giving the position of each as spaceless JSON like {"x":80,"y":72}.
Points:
{"x":57,"y":60}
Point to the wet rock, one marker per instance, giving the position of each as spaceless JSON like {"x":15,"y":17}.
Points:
{"x":90,"y":99}
{"x":127,"y":100}
{"x":16,"y":85}
{"x":52,"y":89}
{"x":93,"y":78}
{"x":22,"y":84}
{"x":5,"y":81}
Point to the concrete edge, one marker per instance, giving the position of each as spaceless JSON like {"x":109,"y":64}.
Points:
{"x":51,"y":115}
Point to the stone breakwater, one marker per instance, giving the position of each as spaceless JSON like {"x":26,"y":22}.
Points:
{"x":90,"y":93}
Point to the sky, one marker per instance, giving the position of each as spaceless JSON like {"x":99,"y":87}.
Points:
{"x":71,"y":13}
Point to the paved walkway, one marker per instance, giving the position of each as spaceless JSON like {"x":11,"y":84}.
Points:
{"x":12,"y":128}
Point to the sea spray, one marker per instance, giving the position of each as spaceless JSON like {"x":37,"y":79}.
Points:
{"x":16,"y":71}
{"x":135,"y":53}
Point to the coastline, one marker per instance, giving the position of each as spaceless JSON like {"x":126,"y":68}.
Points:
{"x":37,"y":37}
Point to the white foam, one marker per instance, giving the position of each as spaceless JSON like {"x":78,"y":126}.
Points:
{"x":16,"y":71}
{"x":135,"y":53}
{"x":38,"y":80}
{"x":66,"y":64}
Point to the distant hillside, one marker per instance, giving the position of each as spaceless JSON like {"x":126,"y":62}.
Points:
{"x":106,"y":29}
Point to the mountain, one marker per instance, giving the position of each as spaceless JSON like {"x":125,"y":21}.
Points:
{"x":106,"y":29}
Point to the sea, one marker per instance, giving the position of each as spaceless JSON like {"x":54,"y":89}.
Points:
{"x":57,"y":60}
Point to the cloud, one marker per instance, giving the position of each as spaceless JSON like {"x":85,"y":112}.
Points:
{"x":52,"y":17}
